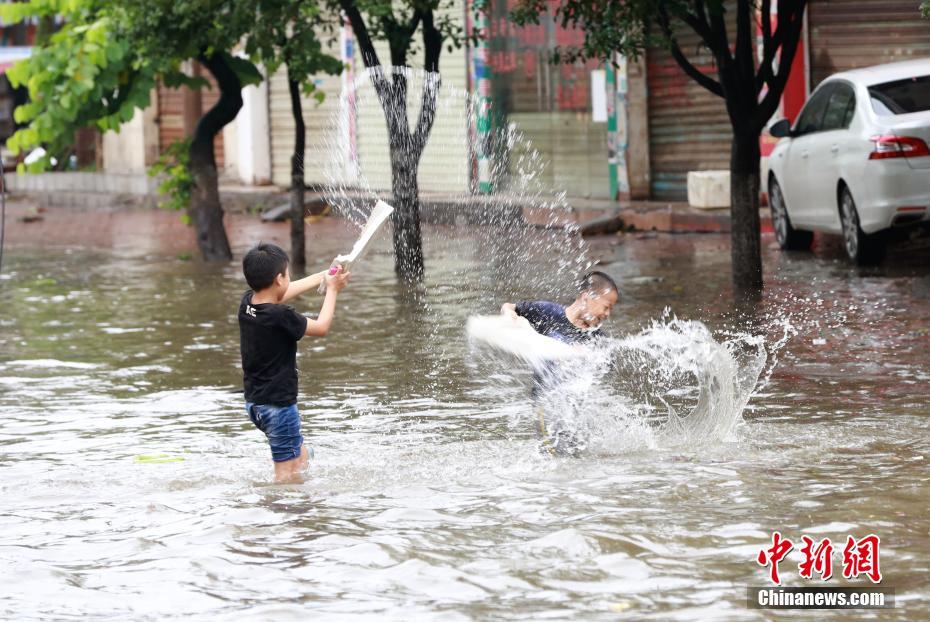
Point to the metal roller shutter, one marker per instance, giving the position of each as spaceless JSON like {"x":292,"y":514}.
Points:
{"x":444,"y":165}
{"x":319,"y":120}
{"x":848,"y":34}
{"x":171,"y":114}
{"x":689,"y":129}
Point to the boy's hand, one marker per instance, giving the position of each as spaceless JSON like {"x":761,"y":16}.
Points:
{"x":509,"y":310}
{"x":337,"y":281}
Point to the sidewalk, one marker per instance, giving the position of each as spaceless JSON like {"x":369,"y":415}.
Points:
{"x":110,"y":192}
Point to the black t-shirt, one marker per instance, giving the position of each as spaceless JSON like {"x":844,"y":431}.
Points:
{"x":268,"y":336}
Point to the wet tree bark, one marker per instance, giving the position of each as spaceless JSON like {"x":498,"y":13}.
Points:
{"x":406,"y":146}
{"x":408,"y":242}
{"x":745,"y":237}
{"x":298,"y":250}
{"x":205,"y":210}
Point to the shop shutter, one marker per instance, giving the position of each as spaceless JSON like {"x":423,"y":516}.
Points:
{"x":444,"y":165}
{"x":319,"y":121}
{"x":689,"y":129}
{"x":171,"y":115}
{"x":849,"y":34}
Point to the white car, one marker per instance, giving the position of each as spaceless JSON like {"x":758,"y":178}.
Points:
{"x":857,"y":160}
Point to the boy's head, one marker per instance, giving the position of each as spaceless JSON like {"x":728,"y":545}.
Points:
{"x":266,"y":266}
{"x":597,"y":295}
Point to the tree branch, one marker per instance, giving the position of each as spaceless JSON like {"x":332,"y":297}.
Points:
{"x":229,"y":103}
{"x":367,"y":48}
{"x":744,"y":43}
{"x":704,"y":80}
{"x":793,"y":22}
{"x":365,"y":45}
{"x":432,"y":42}
{"x":432,"y":48}
{"x":766,"y":28}
{"x":771,"y":43}
{"x":718,"y":27}
{"x":414,"y":22}
{"x":697,"y":22}
{"x":427,"y":113}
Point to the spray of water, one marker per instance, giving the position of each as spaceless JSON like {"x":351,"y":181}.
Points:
{"x":674,"y":382}
{"x":359,"y":168}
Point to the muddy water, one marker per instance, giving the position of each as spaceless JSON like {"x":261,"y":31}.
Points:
{"x":134,"y":487}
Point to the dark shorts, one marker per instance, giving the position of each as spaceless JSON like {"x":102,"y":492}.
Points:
{"x":281,"y":424}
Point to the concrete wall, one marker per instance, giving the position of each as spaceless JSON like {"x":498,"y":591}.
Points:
{"x":246,"y":141}
{"x":135,"y":147}
{"x":638,"y":130}
{"x":98,"y":183}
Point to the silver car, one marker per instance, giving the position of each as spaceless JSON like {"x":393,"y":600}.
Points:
{"x":856,"y":162}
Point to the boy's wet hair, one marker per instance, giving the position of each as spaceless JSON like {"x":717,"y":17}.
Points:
{"x":597,"y":282}
{"x":262,"y":264}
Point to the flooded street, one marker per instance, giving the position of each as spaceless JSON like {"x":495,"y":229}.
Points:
{"x":135,"y":487}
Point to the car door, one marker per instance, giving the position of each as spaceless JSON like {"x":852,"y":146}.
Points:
{"x":796,"y":185}
{"x":827,"y":148}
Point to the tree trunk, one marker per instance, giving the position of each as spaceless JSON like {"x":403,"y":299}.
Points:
{"x":298,"y":252}
{"x":745,"y":248}
{"x":205,"y":210}
{"x":408,"y":243}
{"x":406,"y":147}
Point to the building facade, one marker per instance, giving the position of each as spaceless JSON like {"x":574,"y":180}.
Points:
{"x":627,"y":130}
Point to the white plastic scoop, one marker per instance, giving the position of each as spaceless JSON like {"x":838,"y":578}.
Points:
{"x":378,"y":216}
{"x":517,"y":338}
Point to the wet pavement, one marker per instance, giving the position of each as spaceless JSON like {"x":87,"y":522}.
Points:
{"x":134,"y":486}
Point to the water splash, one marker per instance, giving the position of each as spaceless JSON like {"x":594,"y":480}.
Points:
{"x":359,"y":171}
{"x":673,"y":384}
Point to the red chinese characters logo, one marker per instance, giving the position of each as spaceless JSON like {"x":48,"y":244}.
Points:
{"x":817,"y":559}
{"x":771,"y":556}
{"x":860,"y":557}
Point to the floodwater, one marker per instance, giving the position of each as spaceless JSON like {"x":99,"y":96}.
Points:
{"x":134,"y":486}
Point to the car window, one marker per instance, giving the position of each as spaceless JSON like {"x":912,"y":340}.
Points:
{"x":812,"y":115}
{"x":901,"y":96}
{"x":840,"y":108}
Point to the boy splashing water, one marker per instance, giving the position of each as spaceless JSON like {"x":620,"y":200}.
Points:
{"x":577,"y":323}
{"x":268,"y":336}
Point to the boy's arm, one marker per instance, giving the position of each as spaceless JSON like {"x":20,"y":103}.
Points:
{"x":509,"y":310}
{"x":320,"y":326}
{"x":334,"y":284}
{"x":304,"y":285}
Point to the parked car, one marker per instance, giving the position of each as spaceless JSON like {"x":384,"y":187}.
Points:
{"x":856,"y":162}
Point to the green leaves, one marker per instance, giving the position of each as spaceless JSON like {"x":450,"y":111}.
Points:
{"x":77,"y":78}
{"x":177,"y":183}
{"x":245,"y":70}
{"x":104,"y":61}
{"x":621,"y":26}
{"x":286,"y":32}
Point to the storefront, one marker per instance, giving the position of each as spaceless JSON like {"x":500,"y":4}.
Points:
{"x":551,"y":105}
{"x":848,"y":34}
{"x":689,"y":128}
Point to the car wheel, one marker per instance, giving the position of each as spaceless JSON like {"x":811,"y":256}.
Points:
{"x":788,"y":237}
{"x":862,"y":249}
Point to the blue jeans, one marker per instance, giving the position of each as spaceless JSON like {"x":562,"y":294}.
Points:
{"x":281,"y":424}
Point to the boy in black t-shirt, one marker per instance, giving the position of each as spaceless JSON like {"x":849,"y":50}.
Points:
{"x":579,"y":322}
{"x":268,"y":336}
